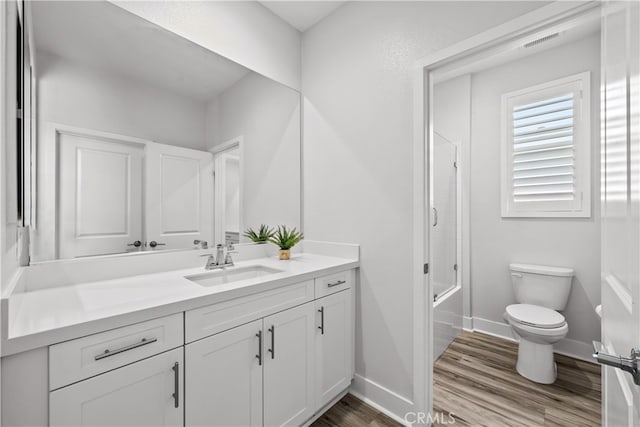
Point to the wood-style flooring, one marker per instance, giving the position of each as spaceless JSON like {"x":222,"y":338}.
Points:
{"x":353,"y":412}
{"x":475,"y":380}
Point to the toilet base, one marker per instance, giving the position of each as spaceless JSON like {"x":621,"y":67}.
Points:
{"x":536,"y":362}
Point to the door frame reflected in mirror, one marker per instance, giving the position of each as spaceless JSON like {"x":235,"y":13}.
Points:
{"x":220,"y":153}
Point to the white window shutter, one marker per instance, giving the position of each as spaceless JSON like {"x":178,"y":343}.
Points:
{"x":543,"y":165}
{"x":546,"y":148}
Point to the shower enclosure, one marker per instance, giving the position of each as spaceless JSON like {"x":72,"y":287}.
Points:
{"x":444,"y":244}
{"x":444,"y":232}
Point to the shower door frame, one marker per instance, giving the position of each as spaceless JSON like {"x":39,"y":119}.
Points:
{"x":501,"y":36}
{"x":460,"y":201}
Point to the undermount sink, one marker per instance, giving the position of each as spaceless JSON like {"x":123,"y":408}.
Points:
{"x":231,"y":274}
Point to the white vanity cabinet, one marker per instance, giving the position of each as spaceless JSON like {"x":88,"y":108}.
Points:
{"x":263,"y":367}
{"x":275,"y":357}
{"x":334,"y":346}
{"x":289,"y":366}
{"x":145,"y":393}
{"x":122,"y":377}
{"x":278,"y":370}
{"x":224,"y":378}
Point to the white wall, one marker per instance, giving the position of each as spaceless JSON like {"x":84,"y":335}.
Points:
{"x":76,"y":95}
{"x":266,"y":115}
{"x":495,"y":242}
{"x":356,"y":73}
{"x":245,"y":32}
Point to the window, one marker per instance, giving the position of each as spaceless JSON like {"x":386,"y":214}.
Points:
{"x":546,"y":150}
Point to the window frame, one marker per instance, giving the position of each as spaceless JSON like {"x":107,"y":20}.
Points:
{"x":580,"y":86}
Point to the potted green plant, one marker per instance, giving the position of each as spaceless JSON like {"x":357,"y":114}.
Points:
{"x":285,"y":239}
{"x":263,"y":234}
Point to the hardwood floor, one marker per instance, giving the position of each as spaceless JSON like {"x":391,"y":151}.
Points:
{"x":476,"y":381}
{"x":353,"y":412}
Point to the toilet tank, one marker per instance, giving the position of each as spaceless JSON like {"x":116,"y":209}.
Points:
{"x":541,"y":285}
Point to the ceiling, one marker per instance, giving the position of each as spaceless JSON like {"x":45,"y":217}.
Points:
{"x":302,"y":14}
{"x":104,"y":36}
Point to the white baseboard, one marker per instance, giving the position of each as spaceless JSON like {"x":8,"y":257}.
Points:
{"x":381,"y":398}
{"x":467,"y":323}
{"x":567,"y":347}
{"x":490,"y":327}
{"x":576,"y":349}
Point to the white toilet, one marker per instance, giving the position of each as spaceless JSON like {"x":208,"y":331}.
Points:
{"x":539,"y":291}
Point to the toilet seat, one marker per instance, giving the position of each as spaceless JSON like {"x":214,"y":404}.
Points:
{"x":535,"y":316}
{"x":536,"y":333}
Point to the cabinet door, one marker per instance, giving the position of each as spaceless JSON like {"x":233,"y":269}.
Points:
{"x":224,"y":378}
{"x":333,"y":346}
{"x":289,"y":366}
{"x":146,"y":393}
{"x":179,"y":196}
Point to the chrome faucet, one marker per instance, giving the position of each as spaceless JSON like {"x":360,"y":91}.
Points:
{"x":219,"y":254}
{"x":230,"y":250}
{"x":211,"y":262}
{"x":220,"y":260}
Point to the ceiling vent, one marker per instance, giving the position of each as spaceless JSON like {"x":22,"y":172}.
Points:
{"x":541,"y":40}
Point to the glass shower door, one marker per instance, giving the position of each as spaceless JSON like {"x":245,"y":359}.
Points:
{"x":444,"y":233}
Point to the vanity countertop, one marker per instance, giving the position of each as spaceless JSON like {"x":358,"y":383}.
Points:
{"x":43,"y":317}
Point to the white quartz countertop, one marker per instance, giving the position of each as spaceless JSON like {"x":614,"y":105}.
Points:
{"x":43,"y":317}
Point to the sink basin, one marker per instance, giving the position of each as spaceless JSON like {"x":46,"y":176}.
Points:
{"x":231,"y":274}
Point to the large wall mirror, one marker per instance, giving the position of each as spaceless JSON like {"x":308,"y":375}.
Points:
{"x":146,"y":141}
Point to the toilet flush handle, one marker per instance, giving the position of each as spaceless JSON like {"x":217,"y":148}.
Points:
{"x":516,"y":274}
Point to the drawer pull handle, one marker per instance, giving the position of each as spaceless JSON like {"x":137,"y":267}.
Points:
{"x":109,"y":353}
{"x":272,"y":350}
{"x":176,"y":385}
{"x":321,"y":327}
{"x":259,"y":355}
{"x":338,"y":283}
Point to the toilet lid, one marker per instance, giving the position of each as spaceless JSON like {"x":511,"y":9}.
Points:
{"x":535,"y":315}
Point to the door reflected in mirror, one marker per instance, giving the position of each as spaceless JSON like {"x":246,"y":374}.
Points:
{"x":146,"y":141}
{"x":228,"y":190}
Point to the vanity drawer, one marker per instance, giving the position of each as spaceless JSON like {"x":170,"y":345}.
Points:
{"x":209,"y":320}
{"x":327,"y":285}
{"x":75,"y":360}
